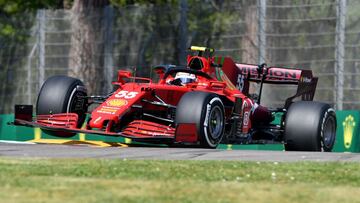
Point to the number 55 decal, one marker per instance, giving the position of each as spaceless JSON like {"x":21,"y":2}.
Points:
{"x":126,"y":94}
{"x":240,"y":82}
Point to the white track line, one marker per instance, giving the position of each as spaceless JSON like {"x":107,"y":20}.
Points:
{"x":15,"y":142}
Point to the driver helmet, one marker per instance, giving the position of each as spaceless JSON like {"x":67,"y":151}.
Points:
{"x":185,"y":77}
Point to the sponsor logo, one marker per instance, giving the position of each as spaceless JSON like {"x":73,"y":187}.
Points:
{"x":116,"y":102}
{"x":107,"y":110}
{"x":208,"y":108}
{"x":349,"y":126}
{"x":272,"y":74}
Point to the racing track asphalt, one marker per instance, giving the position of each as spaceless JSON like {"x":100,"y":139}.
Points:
{"x":83,"y":151}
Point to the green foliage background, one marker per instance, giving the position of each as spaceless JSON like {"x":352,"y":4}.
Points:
{"x":147,"y":33}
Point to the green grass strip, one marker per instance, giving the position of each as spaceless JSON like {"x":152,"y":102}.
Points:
{"x":100,"y":180}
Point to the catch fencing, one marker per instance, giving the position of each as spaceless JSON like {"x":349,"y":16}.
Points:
{"x":323,"y":36}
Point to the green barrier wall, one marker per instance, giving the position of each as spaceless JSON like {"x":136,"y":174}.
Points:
{"x":8,"y":132}
{"x":347,"y":139}
{"x":347,"y":136}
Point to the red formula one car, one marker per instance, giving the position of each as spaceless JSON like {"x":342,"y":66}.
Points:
{"x":203,"y":104}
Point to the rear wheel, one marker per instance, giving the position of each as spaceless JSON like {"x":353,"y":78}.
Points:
{"x":206,"y":110}
{"x":310,"y":126}
{"x":62,"y":94}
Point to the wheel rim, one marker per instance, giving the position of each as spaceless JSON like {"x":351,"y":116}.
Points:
{"x":329,"y":132}
{"x":216,"y":123}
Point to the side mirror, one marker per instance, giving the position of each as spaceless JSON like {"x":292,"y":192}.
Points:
{"x":123,"y":74}
{"x":161,"y":70}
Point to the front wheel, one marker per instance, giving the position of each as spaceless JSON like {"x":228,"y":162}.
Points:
{"x":310,"y":126}
{"x":206,"y":110}
{"x":62,"y":94}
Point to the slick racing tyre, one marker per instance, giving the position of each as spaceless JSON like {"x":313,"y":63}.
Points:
{"x":62,"y":94}
{"x":310,"y":126}
{"x":206,"y":110}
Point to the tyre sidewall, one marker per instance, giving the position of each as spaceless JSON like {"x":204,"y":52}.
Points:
{"x":329,"y":116}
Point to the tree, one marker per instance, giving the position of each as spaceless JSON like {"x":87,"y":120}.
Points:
{"x":85,"y":61}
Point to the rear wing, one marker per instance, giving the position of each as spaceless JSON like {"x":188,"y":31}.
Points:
{"x":274,"y":75}
{"x":241,"y":74}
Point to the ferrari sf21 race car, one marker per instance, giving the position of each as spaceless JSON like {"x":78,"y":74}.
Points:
{"x":202,"y":104}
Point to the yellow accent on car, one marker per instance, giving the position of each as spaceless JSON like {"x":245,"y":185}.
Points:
{"x":197,"y":48}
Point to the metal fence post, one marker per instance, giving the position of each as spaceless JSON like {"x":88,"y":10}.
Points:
{"x":108,"y":48}
{"x":29,"y":75}
{"x":40,"y":40}
{"x":40,"y":45}
{"x":340,"y":53}
{"x":261,"y":31}
{"x":182,"y":42}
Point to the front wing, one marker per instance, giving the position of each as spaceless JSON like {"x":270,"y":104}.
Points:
{"x":138,"y":130}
